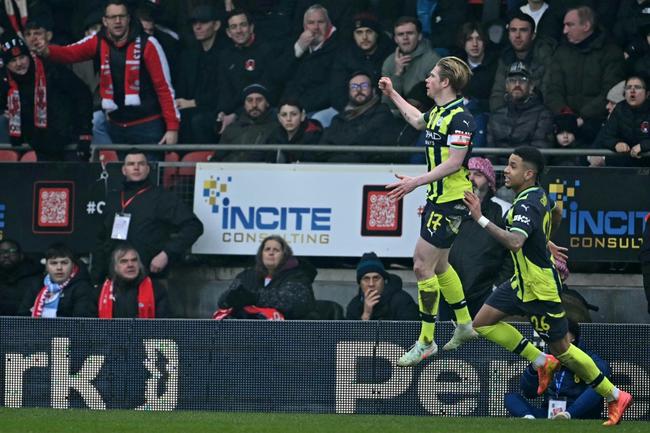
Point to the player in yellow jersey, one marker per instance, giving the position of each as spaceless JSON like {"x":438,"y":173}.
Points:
{"x":534,"y":289}
{"x":448,"y":128}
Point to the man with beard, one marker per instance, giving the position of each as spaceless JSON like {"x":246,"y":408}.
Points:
{"x":363,"y":121}
{"x":129,"y":292}
{"x":481,"y":261}
{"x":534,"y":52}
{"x":523,"y":120}
{"x":254,"y":126}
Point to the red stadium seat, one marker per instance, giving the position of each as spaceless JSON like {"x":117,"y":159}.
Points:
{"x":29,"y":157}
{"x":108,"y":156}
{"x":170,"y":173}
{"x":198,"y":156}
{"x":9,"y":156}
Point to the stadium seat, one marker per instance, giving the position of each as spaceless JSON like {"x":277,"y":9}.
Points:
{"x":29,"y":157}
{"x":108,"y":156}
{"x":198,"y":156}
{"x":169,"y":173}
{"x":9,"y":156}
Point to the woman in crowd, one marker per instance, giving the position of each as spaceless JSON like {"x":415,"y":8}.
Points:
{"x":65,"y":291}
{"x":129,"y":292}
{"x":278,"y":280}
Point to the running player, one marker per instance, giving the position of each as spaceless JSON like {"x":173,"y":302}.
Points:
{"x":449,"y":128}
{"x":534,"y":289}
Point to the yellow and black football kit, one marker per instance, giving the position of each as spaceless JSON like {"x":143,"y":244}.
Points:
{"x":447,"y":127}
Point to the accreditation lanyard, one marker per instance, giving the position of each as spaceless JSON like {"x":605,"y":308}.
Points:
{"x":558,"y":383}
{"x":125,"y":204}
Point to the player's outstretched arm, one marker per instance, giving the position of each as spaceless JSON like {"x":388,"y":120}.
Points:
{"x":411,"y":114}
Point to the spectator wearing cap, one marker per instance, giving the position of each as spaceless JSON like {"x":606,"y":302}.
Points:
{"x":363,"y":121}
{"x":523,"y":121}
{"x":308,"y":64}
{"x":199,"y":78}
{"x":366,"y":52}
{"x":254,"y":126}
{"x":627,"y":131}
{"x":410,"y":64}
{"x":583,"y":70}
{"x":248,"y":60}
{"x":524,"y":46}
{"x":567,"y":136}
{"x":138,"y":100}
{"x":47,"y":106}
{"x":480,"y":261}
{"x":380,"y":296}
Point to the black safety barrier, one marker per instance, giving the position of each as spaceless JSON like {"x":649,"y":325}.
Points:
{"x":318,"y":367}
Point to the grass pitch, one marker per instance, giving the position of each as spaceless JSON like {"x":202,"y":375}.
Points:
{"x":86,"y":421}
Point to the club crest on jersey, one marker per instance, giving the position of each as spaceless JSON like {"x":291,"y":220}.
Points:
{"x":645,"y":127}
{"x":249,"y":65}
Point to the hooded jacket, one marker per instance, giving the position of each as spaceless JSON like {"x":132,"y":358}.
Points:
{"x":394,"y":303}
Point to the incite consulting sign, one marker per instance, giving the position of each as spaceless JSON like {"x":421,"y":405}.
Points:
{"x":603,"y":211}
{"x":320,"y":209}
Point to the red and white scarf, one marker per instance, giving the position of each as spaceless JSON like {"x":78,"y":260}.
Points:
{"x":146,"y":300}
{"x":46,"y":292}
{"x":131,"y":74}
{"x":40,"y":100}
{"x":19,"y":22}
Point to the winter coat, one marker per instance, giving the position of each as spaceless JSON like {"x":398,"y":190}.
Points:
{"x":156,"y":214}
{"x":537,"y":61}
{"x":375,"y":127}
{"x":308,"y":76}
{"x":290,"y":290}
{"x":78,"y":299}
{"x":423,"y":59}
{"x":199,"y":76}
{"x":17,"y":281}
{"x":69,"y":109}
{"x":309,"y":132}
{"x":246,"y":130}
{"x":480,"y":261}
{"x":241,"y":67}
{"x":580,"y":75}
{"x":480,"y":85}
{"x":125,"y":303}
{"x":631,"y":126}
{"x":516,"y":124}
{"x":394,"y":303}
{"x":353,"y":59}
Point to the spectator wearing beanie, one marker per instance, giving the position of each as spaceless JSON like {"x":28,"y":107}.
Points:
{"x":380,"y":296}
{"x":47,"y":106}
{"x":567,"y":136}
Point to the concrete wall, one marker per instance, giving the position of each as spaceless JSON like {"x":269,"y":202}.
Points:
{"x":194,"y":291}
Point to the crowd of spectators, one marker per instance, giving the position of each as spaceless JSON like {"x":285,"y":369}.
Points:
{"x":183,"y":72}
{"x":546,"y":74}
